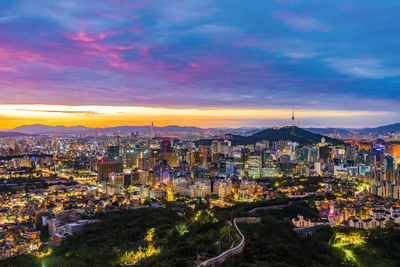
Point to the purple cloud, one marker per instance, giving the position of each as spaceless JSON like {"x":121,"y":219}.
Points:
{"x":303,"y":22}
{"x":199,"y":54}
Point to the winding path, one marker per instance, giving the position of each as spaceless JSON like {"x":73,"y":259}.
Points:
{"x":233,"y":251}
{"x":276,"y":207}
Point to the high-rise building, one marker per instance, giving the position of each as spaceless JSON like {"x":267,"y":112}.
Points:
{"x":196,"y":160}
{"x":105,"y":168}
{"x":166,"y":145}
{"x":218,"y":146}
{"x":254,"y":165}
{"x":113,"y":152}
{"x":116,"y":179}
{"x":171,"y":159}
{"x":130,"y":158}
{"x":205,"y":150}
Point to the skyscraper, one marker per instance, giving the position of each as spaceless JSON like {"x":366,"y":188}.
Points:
{"x":104,"y":168}
{"x":113,"y":152}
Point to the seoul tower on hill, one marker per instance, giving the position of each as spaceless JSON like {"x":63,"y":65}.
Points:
{"x":292,"y":118}
{"x":292,"y":121}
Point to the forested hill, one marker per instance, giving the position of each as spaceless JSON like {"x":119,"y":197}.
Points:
{"x":294,"y":134}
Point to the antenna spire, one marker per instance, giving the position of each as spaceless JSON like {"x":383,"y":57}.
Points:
{"x":292,"y":117}
{"x":293,"y":121}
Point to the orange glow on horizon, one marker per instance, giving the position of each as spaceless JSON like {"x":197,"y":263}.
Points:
{"x":12,"y":116}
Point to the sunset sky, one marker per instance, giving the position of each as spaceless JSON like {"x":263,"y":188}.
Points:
{"x":199,"y":63}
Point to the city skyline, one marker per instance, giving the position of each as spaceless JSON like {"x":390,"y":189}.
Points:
{"x":199,"y":133}
{"x":199,"y":64}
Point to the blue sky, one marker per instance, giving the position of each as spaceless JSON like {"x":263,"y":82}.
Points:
{"x":308,"y":55}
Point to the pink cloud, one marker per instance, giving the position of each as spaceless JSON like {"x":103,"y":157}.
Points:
{"x":7,"y":69}
{"x":118,"y":64}
{"x":164,"y":65}
{"x":14,"y":55}
{"x":84,"y":37}
{"x":194,"y":64}
{"x":89,"y":37}
{"x":122,"y":47}
{"x":52,"y":44}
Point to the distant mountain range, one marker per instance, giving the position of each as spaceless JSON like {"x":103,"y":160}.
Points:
{"x":39,"y":129}
{"x":325,"y":131}
{"x":11,"y":134}
{"x":45,"y":129}
{"x":36,"y":129}
{"x":391,"y":128}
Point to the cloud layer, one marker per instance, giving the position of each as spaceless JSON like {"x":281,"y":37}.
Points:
{"x":314,"y":55}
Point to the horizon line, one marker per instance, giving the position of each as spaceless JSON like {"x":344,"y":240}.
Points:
{"x":13,"y":116}
{"x":203,"y":128}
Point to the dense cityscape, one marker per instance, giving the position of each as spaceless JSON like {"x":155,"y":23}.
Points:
{"x":199,"y":133}
{"x":53,"y":185}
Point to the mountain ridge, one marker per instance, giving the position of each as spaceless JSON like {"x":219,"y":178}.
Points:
{"x":394,"y":127}
{"x":37,"y":129}
{"x":4,"y":134}
{"x":45,"y":129}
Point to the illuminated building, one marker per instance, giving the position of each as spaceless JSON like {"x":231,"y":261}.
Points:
{"x":166,"y":146}
{"x":222,"y":188}
{"x":269,"y":171}
{"x":171,"y":159}
{"x":394,"y":150}
{"x":226,"y":167}
{"x":364,"y":146}
{"x":116,"y":179}
{"x":200,"y":188}
{"x":196,"y":160}
{"x":104,"y":168}
{"x":113,"y":152}
{"x":218,"y":146}
{"x":147,"y":177}
{"x":254,"y":166}
{"x":130,"y":158}
{"x":205,"y":150}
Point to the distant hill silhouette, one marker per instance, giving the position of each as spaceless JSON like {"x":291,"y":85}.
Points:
{"x":45,"y":129}
{"x":11,"y":134}
{"x":391,"y":128}
{"x":296,"y":134}
{"x":325,"y":131}
{"x":37,"y":129}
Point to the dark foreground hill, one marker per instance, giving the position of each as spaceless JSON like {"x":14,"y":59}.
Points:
{"x":159,"y":237}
